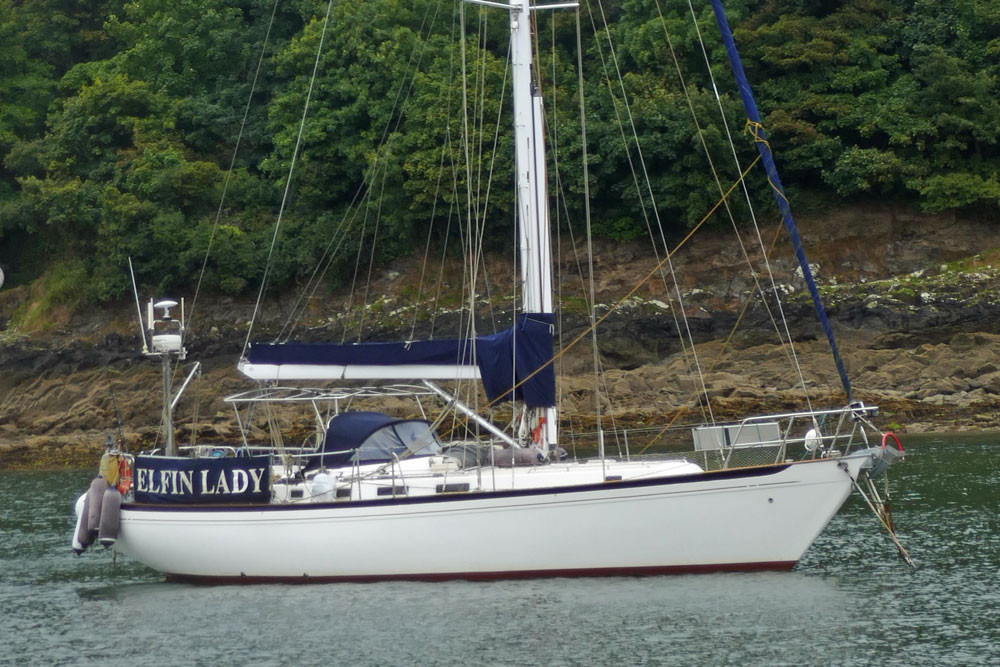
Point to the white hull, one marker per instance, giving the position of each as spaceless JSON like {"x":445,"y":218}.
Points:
{"x":755,"y":518}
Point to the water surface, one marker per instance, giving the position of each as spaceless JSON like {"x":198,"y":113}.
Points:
{"x":851,"y":601}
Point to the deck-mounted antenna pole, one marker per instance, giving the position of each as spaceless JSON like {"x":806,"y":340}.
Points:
{"x":169,"y":447}
{"x":167,"y":340}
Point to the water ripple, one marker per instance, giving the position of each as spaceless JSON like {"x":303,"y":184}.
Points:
{"x":851,"y":601}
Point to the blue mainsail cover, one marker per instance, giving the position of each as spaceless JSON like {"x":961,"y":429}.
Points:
{"x":504,"y":359}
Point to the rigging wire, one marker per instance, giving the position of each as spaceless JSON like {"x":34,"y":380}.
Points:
{"x":592,"y":310}
{"x":446,"y":147}
{"x":711,"y":164}
{"x":554,"y":133}
{"x":308,"y":293}
{"x":393,"y":121}
{"x":366,"y":205}
{"x":444,"y":255}
{"x":642,"y":281}
{"x":371,"y":257}
{"x":225,"y":191}
{"x":447,"y":151}
{"x":753,"y":217}
{"x":642,"y":201}
{"x":232,"y":163}
{"x":465,"y":235}
{"x":288,"y":182}
{"x":430,"y":228}
{"x":470,"y":232}
{"x":489,"y":182}
{"x":479,"y":111}
{"x":588,"y":297}
{"x":679,"y":411}
{"x":415,"y":58}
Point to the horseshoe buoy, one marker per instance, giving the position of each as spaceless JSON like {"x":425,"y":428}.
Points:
{"x":890,"y":434}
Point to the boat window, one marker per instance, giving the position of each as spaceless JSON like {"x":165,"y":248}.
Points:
{"x":418,"y":437}
{"x":413,"y":436}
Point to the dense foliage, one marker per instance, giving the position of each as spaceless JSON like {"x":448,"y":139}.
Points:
{"x":119,"y":121}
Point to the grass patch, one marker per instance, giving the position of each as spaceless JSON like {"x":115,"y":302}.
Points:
{"x":53,"y":298}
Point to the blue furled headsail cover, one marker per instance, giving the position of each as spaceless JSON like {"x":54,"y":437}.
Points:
{"x":504,"y":359}
{"x":507,"y":358}
{"x":764,"y":149}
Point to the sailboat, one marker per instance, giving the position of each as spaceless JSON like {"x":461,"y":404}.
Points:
{"x":374,"y":496}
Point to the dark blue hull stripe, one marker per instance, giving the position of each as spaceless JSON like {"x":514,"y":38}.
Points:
{"x":705,"y":477}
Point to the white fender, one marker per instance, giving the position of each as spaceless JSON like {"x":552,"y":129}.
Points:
{"x":80,"y":509}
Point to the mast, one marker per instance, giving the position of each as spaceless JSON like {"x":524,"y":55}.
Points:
{"x":532,"y":185}
{"x":532,"y":190}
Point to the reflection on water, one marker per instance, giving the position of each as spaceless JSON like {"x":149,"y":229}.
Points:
{"x":850,"y":602}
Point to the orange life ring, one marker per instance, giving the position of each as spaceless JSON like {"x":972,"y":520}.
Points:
{"x":890,"y":434}
{"x":124,"y":476}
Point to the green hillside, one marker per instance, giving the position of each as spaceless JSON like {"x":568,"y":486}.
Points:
{"x":119,"y":122}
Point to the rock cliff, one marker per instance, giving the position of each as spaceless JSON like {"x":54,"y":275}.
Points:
{"x":913,"y":300}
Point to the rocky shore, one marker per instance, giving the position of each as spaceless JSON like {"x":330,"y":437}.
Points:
{"x":914,"y":301}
